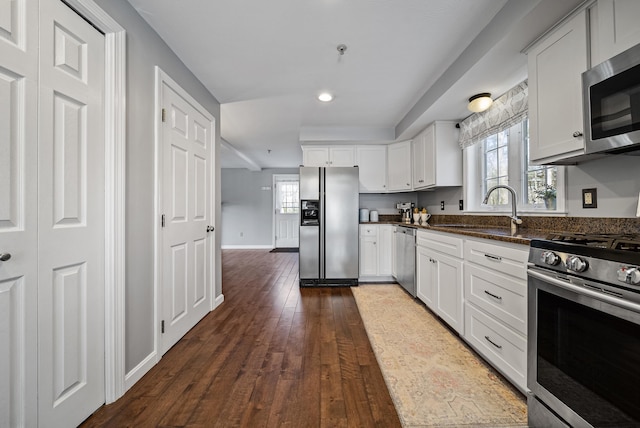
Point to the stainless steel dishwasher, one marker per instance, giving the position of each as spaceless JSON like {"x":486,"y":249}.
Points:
{"x":406,"y":258}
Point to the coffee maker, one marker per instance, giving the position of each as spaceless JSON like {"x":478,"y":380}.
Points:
{"x":405,"y":208}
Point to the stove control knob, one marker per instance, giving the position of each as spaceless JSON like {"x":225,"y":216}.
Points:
{"x":630,"y":275}
{"x":576,"y":264}
{"x":550,"y":258}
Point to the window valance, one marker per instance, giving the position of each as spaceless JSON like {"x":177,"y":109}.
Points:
{"x":506,"y":111}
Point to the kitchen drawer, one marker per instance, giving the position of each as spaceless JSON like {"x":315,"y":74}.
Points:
{"x":503,"y":348}
{"x":366,"y":230}
{"x":502,"y":296}
{"x":505,"y":257}
{"x":443,"y":242}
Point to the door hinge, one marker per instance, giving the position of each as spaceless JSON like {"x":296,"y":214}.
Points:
{"x":164,"y":115}
{"x":162,"y":326}
{"x":162,"y":220}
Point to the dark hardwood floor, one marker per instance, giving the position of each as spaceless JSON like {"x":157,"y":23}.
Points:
{"x":271,"y":355}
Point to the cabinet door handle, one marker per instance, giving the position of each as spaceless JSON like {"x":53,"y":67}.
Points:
{"x":577,"y":134}
{"x":493,"y":295}
{"x":493,"y":343}
{"x":492,"y":257}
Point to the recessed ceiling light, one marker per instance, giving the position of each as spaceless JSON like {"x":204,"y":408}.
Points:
{"x":325,"y":97}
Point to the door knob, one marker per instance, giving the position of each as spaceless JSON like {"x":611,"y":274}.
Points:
{"x":4,"y":257}
{"x":209,"y":229}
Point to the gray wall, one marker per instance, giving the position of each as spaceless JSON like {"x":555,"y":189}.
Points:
{"x":145,"y":49}
{"x":247,"y":207}
{"x":616,"y":178}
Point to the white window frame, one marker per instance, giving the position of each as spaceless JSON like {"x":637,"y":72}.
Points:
{"x":473,"y":159}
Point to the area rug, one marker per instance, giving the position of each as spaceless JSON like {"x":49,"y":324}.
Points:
{"x":433,"y":378}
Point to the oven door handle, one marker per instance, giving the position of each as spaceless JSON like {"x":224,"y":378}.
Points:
{"x":599,"y":295}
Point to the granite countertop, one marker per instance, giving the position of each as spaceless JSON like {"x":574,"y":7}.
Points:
{"x":498,"y":228}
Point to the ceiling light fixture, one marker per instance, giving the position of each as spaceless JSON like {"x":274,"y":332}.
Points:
{"x":325,"y":97}
{"x":480,"y":102}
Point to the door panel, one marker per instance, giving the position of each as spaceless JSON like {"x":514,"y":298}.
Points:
{"x":71,"y":218}
{"x":187,"y":271}
{"x":18,"y":213}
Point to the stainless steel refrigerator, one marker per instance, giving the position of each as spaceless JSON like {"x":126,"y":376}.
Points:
{"x":329,"y":201}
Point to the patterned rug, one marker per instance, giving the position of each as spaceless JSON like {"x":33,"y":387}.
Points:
{"x":433,"y":378}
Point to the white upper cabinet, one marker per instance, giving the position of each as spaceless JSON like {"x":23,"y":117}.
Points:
{"x":399,"y":166}
{"x":437,"y":158}
{"x":328,"y":156}
{"x":616,"y":28}
{"x":555,"y":92}
{"x":372,"y":162}
{"x":342,"y":156}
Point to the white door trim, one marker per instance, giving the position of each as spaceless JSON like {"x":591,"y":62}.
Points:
{"x":162,"y":78}
{"x":275,"y":202}
{"x":115,"y":164}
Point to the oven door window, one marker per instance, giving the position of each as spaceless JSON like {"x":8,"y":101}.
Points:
{"x":590,"y":360}
{"x":615,"y":105}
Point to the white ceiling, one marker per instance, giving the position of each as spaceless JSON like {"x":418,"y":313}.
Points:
{"x":407,"y":63}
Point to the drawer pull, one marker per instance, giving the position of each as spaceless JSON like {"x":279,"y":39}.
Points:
{"x":492,"y":257}
{"x":493,"y":295}
{"x":493,"y":343}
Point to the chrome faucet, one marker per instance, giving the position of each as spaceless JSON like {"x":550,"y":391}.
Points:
{"x":515,"y":221}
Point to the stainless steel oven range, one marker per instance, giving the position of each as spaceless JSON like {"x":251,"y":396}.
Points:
{"x":584,"y":331}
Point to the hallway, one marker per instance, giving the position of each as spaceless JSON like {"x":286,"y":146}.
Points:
{"x":271,"y":355}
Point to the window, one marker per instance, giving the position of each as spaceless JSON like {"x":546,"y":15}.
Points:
{"x":496,"y":166}
{"x":288,"y":199}
{"x":503,"y":158}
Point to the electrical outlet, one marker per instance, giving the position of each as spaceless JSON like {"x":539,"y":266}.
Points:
{"x":589,"y":198}
{"x":441,"y":205}
{"x":460,"y":205}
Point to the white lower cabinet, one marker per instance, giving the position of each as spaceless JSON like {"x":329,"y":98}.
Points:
{"x":505,"y":349}
{"x":439,"y":276}
{"x":495,"y":293}
{"x":376,"y":252}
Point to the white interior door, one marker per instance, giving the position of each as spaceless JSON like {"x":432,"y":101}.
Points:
{"x":18,"y":213}
{"x":287,"y":210}
{"x":71,"y":219}
{"x":187,"y":241}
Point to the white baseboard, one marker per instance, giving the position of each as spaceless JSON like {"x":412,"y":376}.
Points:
{"x":247,"y":247}
{"x":140,"y":370}
{"x":218,"y":301}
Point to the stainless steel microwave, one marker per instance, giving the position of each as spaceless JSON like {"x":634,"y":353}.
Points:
{"x":611,"y":97}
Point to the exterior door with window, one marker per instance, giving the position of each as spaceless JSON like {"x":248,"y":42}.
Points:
{"x":287,"y":210}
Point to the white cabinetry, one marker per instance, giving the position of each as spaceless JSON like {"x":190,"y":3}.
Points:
{"x":617,"y":28}
{"x":328,"y":156}
{"x":439,"y":276}
{"x":399,"y":166}
{"x":372,"y":163}
{"x":555,"y":92}
{"x":437,"y":158}
{"x":376,"y":243}
{"x":495,"y":293}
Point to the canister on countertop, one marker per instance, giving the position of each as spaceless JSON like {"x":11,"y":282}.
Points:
{"x":373,"y":216}
{"x":364,"y":215}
